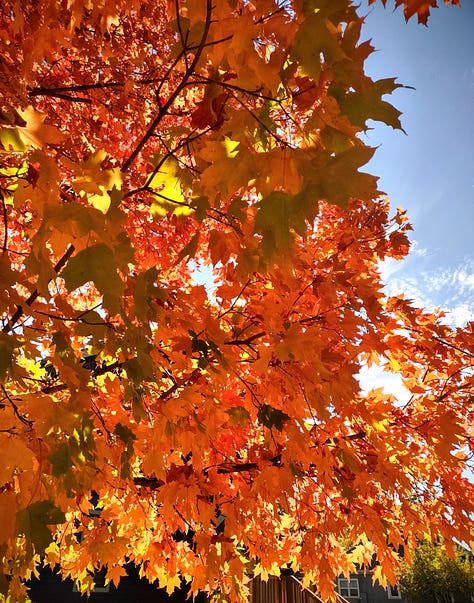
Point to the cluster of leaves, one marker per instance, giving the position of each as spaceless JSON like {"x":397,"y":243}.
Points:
{"x":435,"y":576}
{"x":140,"y":143}
{"x":421,"y":8}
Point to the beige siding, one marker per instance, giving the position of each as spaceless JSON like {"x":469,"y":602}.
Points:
{"x":286,"y":589}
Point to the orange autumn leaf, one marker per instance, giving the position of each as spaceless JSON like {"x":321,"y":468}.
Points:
{"x":190,"y":250}
{"x":421,"y":8}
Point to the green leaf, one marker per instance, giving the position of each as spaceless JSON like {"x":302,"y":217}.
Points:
{"x":181,"y":24}
{"x":3,"y":584}
{"x":125,"y":472}
{"x":336,"y":177}
{"x":198,"y":345}
{"x":97,"y":264}
{"x":238,"y":415}
{"x":342,"y":179}
{"x":265,"y":123}
{"x":61,"y":460}
{"x":348,"y":492}
{"x":235,"y":209}
{"x":32,"y":522}
{"x":279,"y":213}
{"x":124,"y":433}
{"x":61,"y":346}
{"x":189,"y":251}
{"x":140,"y":368}
{"x":272,"y":417}
{"x":145,"y":294}
{"x":127,"y":436}
{"x":200,"y":206}
{"x":8,"y":343}
{"x":365,"y":104}
{"x":296,"y":471}
{"x":317,"y":39}
{"x":134,"y":395}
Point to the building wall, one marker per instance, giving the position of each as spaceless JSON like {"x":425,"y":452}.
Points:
{"x":51,"y":589}
{"x":373,"y":593}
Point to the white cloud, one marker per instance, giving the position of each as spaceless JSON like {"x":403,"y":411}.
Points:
{"x":375,"y":377}
{"x":450,"y":288}
{"x":466,"y":279}
{"x":460,"y":315}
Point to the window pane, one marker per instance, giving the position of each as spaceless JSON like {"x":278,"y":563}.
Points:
{"x":348,"y":588}
{"x":354,"y":587}
{"x":343,"y":587}
{"x":393,"y":592}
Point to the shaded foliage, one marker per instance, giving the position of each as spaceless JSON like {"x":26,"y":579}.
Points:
{"x":433,"y":575}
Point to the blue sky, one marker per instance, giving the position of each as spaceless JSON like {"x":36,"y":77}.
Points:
{"x":430,"y":171}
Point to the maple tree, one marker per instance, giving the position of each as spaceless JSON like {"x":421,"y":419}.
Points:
{"x":223,"y":428}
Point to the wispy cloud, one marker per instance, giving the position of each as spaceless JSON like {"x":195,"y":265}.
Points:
{"x":449,"y":287}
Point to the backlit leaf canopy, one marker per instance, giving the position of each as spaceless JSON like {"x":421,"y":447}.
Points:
{"x":190,"y":254}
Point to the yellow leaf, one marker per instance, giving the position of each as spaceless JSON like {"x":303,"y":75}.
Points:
{"x":36,"y":133}
{"x":100,"y":202}
{"x":93,"y":181}
{"x":394,"y":365}
{"x":172,"y":583}
{"x":168,"y":185}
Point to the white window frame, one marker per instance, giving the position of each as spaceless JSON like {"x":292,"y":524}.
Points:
{"x":96,"y":589}
{"x":346,"y":586}
{"x":393,"y":595}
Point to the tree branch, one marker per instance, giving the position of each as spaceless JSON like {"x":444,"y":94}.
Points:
{"x":34,"y":295}
{"x":246,"y":341}
{"x":74,"y":99}
{"x":73,"y":88}
{"x":164,"y":108}
{"x":23,"y":419}
{"x":5,"y":223}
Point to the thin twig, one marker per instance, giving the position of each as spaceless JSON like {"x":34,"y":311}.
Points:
{"x":73,"y":319}
{"x":246,"y":341}
{"x":23,"y":419}
{"x":232,"y":306}
{"x":74,"y":99}
{"x":5,"y":223}
{"x":34,"y":295}
{"x":163,"y":109}
{"x":73,"y":88}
